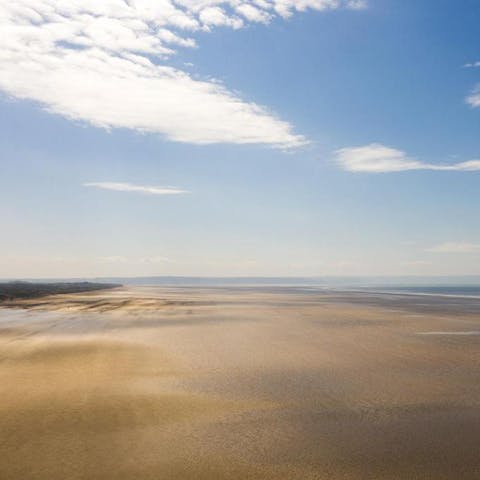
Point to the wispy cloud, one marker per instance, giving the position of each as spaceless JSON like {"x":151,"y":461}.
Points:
{"x":378,"y":158}
{"x":156,"y":259}
{"x":106,"y":63}
{"x":455,"y":247}
{"x":418,"y":263}
{"x":113,"y":259}
{"x":474,"y":98}
{"x":358,"y":4}
{"x":128,"y":187}
{"x":136,"y":260}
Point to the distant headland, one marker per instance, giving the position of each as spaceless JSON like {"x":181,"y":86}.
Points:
{"x":17,"y":290}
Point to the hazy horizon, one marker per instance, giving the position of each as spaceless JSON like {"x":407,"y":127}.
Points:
{"x":469,"y":284}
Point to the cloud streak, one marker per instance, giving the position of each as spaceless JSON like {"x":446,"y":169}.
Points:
{"x":106,"y":63}
{"x":455,"y":247}
{"x":142,"y":260}
{"x":472,"y":65}
{"x":128,"y":187}
{"x":474,"y":98}
{"x":378,"y":158}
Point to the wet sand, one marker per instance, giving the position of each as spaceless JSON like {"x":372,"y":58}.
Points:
{"x":239,"y":383}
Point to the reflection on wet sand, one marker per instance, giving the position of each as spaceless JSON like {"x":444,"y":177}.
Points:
{"x":233,"y":383}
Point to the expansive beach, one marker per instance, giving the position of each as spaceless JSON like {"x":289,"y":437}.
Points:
{"x":239,"y":383}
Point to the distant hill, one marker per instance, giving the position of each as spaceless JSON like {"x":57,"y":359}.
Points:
{"x":319,"y":281}
{"x":16,"y":290}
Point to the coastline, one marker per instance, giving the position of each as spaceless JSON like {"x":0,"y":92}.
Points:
{"x":16,"y":290}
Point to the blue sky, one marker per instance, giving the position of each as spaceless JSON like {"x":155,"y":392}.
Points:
{"x":280,"y":138}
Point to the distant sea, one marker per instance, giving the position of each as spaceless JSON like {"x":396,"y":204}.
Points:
{"x":458,"y":286}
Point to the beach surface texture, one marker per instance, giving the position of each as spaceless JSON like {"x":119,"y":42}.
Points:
{"x":265,"y":383}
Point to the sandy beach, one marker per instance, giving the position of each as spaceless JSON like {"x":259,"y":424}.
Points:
{"x":239,"y":383}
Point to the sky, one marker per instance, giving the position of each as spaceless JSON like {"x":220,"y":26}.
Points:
{"x":239,"y":137}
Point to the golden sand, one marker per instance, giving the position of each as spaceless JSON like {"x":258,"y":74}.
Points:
{"x":197,"y":383}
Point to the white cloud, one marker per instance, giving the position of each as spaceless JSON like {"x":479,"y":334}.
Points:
{"x":474,"y":98}
{"x":374,"y":158}
{"x":128,"y":187}
{"x":455,"y":247}
{"x":215,"y":16}
{"x":253,"y":13}
{"x":105,"y":62}
{"x":377,"y":158}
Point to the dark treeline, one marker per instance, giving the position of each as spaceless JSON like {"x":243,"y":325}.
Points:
{"x":15,"y":290}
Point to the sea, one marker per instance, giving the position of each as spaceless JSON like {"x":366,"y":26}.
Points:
{"x":451,"y":286}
